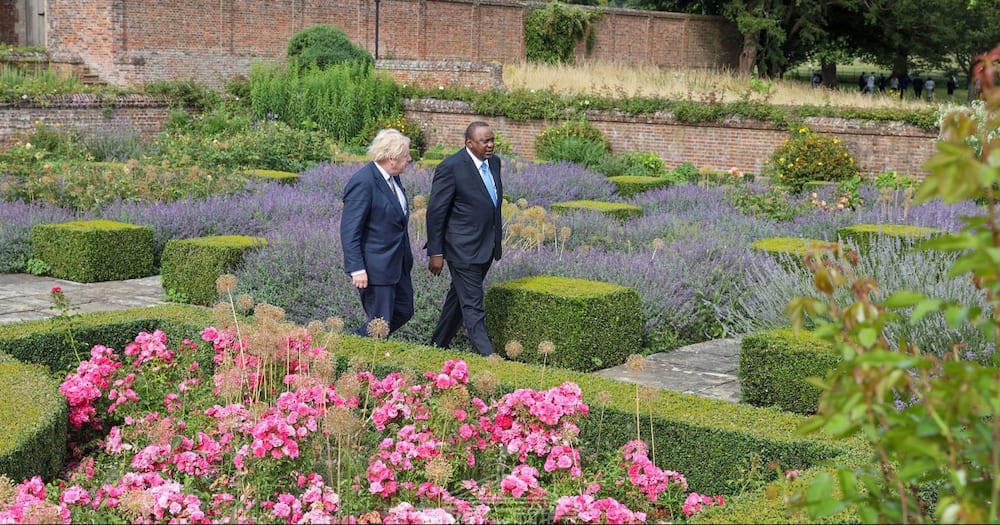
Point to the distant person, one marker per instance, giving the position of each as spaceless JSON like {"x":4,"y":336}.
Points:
{"x":893,"y":84}
{"x":952,"y":85}
{"x":816,"y":80}
{"x":929,"y":88}
{"x":870,"y":83}
{"x":918,"y":85}
{"x":880,"y":83}
{"x":904,"y":84}
{"x":862,"y":82}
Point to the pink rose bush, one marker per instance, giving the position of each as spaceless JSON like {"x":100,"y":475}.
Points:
{"x":273,"y":435}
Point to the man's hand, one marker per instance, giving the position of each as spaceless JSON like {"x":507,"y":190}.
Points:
{"x":435,"y":264}
{"x":360,"y":280}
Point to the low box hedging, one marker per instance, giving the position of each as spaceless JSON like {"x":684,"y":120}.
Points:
{"x":630,"y":185}
{"x":774,"y":365}
{"x":33,"y":416}
{"x":45,"y":341}
{"x":618,"y":210}
{"x":789,"y":251}
{"x":284,"y":177}
{"x":861,"y":235}
{"x":94,"y":250}
{"x":592,"y":324}
{"x":190,"y":266}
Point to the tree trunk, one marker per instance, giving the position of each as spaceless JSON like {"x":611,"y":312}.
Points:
{"x":748,"y":55}
{"x":829,"y":73}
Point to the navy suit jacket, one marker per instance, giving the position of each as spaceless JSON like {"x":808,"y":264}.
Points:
{"x":462,"y":223}
{"x":373,"y":228}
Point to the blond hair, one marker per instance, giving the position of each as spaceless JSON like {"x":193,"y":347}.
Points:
{"x":389,"y":143}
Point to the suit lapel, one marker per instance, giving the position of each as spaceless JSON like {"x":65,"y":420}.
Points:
{"x":384,"y":188}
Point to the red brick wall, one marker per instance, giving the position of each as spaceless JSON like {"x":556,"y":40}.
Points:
{"x":133,"y":42}
{"x":739,"y":143}
{"x":9,"y":21}
{"x":432,"y":74}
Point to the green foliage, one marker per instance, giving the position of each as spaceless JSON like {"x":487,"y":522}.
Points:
{"x":343,"y":100}
{"x":566,"y":312}
{"x":399,"y":122}
{"x":931,"y":421}
{"x":37,"y":266}
{"x":774,"y":365}
{"x":686,"y":172}
{"x":284,"y":177}
{"x":190,"y":267}
{"x":862,"y":235}
{"x":585,"y":142}
{"x":18,"y":85}
{"x":33,"y":415}
{"x":789,"y":251}
{"x":552,"y":32}
{"x":808,"y":156}
{"x":323,"y":46}
{"x":631,"y":185}
{"x":644,"y":164}
{"x":185,"y":94}
{"x":618,"y":210}
{"x":773,"y":203}
{"x":173,"y":296}
{"x":78,"y":250}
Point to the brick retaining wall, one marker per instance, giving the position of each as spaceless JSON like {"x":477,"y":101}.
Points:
{"x":740,"y":143}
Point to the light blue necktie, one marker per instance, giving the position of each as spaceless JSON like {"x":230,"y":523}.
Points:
{"x":484,"y":170}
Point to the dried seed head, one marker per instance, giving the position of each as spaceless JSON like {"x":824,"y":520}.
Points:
{"x":546,"y":347}
{"x":485,"y":382}
{"x":636,"y":363}
{"x":335,"y":323}
{"x":244,"y":302}
{"x":8,"y":490}
{"x":341,"y":422}
{"x":513,"y":349}
{"x":268,"y":312}
{"x":603,"y":397}
{"x":348,"y":386}
{"x":565,"y":232}
{"x":315,"y":328}
{"x":134,"y":505}
{"x":222,"y":314}
{"x":226,"y":283}
{"x":378,"y":328}
{"x":438,"y":471}
{"x":357,"y":362}
{"x":658,"y":243}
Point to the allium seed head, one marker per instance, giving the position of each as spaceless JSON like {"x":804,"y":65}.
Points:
{"x":513,"y":349}
{"x":636,"y":363}
{"x":378,"y":328}
{"x":226,"y":283}
{"x":546,"y":347}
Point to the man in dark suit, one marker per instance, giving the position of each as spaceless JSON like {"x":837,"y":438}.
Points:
{"x":464,"y":228}
{"x":374,"y":234}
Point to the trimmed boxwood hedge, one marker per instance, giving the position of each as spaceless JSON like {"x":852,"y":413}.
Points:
{"x":618,"y":210}
{"x":788,"y":251}
{"x":191,"y":266}
{"x":80,"y":250}
{"x":33,"y":416}
{"x":44,"y":341}
{"x":630,"y":185}
{"x":862,"y":234}
{"x":284,"y":177}
{"x":774,"y":365}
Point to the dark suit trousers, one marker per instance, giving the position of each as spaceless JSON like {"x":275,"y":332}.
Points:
{"x":394,"y":303}
{"x":464,"y":305}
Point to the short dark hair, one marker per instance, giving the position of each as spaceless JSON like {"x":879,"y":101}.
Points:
{"x":473,"y":127}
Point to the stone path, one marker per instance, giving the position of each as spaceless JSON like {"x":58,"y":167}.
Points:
{"x":706,"y":369}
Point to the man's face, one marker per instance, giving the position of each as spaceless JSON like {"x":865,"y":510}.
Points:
{"x":396,"y":166}
{"x":481,"y":143}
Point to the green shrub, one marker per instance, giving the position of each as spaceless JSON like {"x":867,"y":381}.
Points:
{"x":190,"y":267}
{"x":325,"y":45}
{"x":789,"y":250}
{"x":404,"y":125}
{"x":808,"y":156}
{"x":284,"y":177}
{"x":566,"y":312}
{"x":552,"y":137}
{"x":774,"y":365}
{"x":861,"y":235}
{"x":43,"y":342}
{"x":773,"y":203}
{"x":628,"y":185}
{"x":618,"y":210}
{"x":686,"y":172}
{"x":587,"y":152}
{"x":33,"y":416}
{"x":94,"y":250}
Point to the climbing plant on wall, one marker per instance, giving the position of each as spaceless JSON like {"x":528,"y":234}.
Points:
{"x":552,"y":32}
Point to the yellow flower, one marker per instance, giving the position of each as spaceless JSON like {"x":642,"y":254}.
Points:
{"x":803,"y":130}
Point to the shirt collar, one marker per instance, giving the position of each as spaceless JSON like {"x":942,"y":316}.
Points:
{"x":477,"y":160}
{"x":385,"y":174}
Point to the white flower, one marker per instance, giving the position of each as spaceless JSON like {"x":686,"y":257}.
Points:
{"x":28,"y":146}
